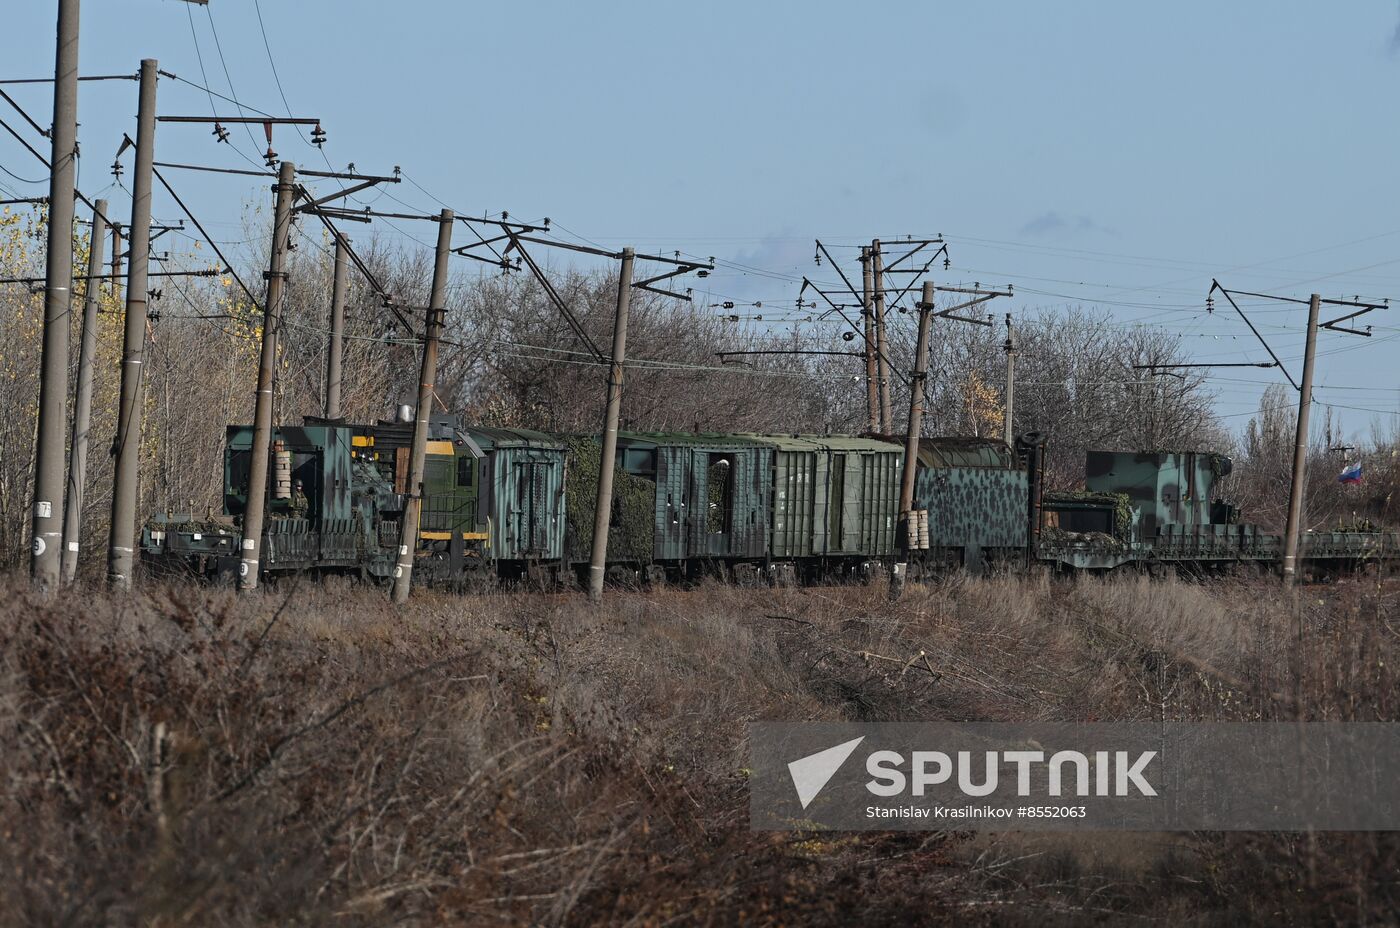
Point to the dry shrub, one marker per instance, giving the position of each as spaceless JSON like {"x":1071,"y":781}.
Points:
{"x":310,"y":753}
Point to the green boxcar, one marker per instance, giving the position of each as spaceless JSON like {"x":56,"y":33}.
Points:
{"x":522,"y":494}
{"x":833,"y":496}
{"x":711,"y":493}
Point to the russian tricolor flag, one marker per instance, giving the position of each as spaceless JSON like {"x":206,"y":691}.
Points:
{"x":1352,"y":474}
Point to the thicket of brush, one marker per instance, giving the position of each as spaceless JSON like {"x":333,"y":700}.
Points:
{"x":184,"y":756}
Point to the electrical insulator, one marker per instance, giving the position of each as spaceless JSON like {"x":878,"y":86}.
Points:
{"x":220,"y":133}
{"x":318,"y":136}
{"x":1210,"y":304}
{"x":117,"y":170}
{"x":729,"y":304}
{"x":270,"y":157}
{"x":732,"y":318}
{"x":848,"y":336}
{"x":947,"y":262}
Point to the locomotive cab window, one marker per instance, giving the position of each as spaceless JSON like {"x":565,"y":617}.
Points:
{"x":465,"y":471}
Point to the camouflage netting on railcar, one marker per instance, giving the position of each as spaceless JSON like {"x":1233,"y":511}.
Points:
{"x":1122,"y":506}
{"x":717,"y":483}
{"x":634,"y":507}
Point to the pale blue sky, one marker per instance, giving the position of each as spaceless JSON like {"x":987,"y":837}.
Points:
{"x":1112,"y":153}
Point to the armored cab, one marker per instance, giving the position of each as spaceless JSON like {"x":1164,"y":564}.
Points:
{"x":1166,"y":488}
{"x":452,"y":535}
{"x":1155,"y":508}
{"x":975,"y":491}
{"x":315,"y":518}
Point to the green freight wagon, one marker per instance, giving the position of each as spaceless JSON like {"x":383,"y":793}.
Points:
{"x":834,"y":499}
{"x":975,"y":492}
{"x":682,"y":504}
{"x":711,"y":493}
{"x":522,"y":498}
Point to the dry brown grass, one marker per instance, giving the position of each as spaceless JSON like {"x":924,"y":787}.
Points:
{"x":311,"y":754}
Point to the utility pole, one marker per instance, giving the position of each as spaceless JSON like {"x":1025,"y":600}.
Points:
{"x":911,"y":442}
{"x":58,"y":304}
{"x":1300,"y":448}
{"x":1006,"y":425}
{"x":881,"y":346}
{"x":432,"y":328}
{"x":82,"y":399}
{"x":602,"y":511}
{"x":256,"y":506}
{"x":333,"y":352}
{"x":872,"y":398}
{"x":127,"y":444}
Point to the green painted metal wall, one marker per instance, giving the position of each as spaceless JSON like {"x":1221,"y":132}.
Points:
{"x":1168,"y":488}
{"x":696,"y":517}
{"x":321,"y":456}
{"x":833,"y":496}
{"x":980,"y":506}
{"x":522,"y":483}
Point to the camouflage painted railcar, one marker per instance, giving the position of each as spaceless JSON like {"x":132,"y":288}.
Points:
{"x":975,"y":492}
{"x":326,"y":510}
{"x":492,"y":504}
{"x":1161,"y":510}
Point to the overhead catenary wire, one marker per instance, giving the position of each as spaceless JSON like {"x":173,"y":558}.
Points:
{"x":207,"y":237}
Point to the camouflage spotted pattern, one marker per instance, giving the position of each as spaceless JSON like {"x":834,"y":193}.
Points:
{"x":975,"y":494}
{"x":1167,"y":488}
